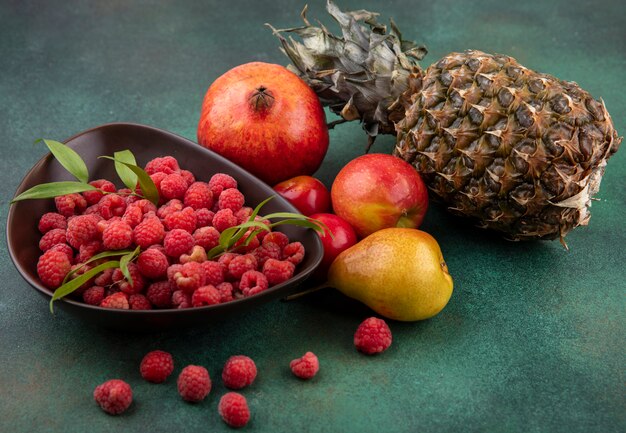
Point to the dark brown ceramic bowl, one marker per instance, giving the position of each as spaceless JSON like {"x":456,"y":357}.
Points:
{"x":146,"y":143}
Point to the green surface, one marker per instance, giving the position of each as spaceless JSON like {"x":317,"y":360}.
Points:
{"x":532,"y":339}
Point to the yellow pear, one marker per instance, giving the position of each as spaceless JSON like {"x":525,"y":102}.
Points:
{"x":397,"y":272}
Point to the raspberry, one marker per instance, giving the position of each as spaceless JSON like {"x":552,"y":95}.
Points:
{"x":233,"y":408}
{"x":149,"y":232}
{"x":114,"y":396}
{"x":240,"y":265}
{"x":51,"y":220}
{"x":194,"y":383}
{"x":198,"y":254}
{"x":247,"y":243}
{"x":152,"y":263}
{"x":199,"y":196}
{"x":205,"y":295}
{"x":207,"y":237}
{"x":166,"y":164}
{"x":157,"y":178}
{"x":138,"y":280}
{"x":231,"y":198}
{"x":93,"y":197}
{"x":372,"y":336}
{"x":172,"y":270}
{"x":105,"y":278}
{"x":243,"y":214}
{"x":279,"y":238}
{"x":93,"y":295}
{"x":117,"y":300}
{"x":219,"y":182}
{"x":223,"y":219}
{"x":239,"y":372}
{"x":173,"y":205}
{"x":188,"y":176}
{"x":52,"y":238}
{"x":145,"y":205}
{"x":111,"y":205}
{"x":226,"y":292}
{"x":178,"y":242}
{"x":253,"y":282}
{"x":225,"y":259}
{"x":181,"y":299}
{"x":88,"y":250}
{"x":81,"y":229}
{"x":65,"y":249}
{"x":305,"y":367}
{"x":190,"y":277}
{"x":184,"y":219}
{"x":294,"y":252}
{"x":77,"y":270}
{"x":127,"y":195}
{"x":268,"y":250}
{"x":94,"y":209}
{"x":160,"y":294}
{"x":214,"y":272}
{"x":204,"y":217}
{"x":70,"y":204}
{"x":117,"y":236}
{"x":173,"y":186}
{"x":139,"y":302}
{"x":52,"y":268}
{"x":278,"y":271}
{"x":156,"y":366}
{"x":132,"y":215}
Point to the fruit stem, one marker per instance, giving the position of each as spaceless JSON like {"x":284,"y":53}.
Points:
{"x":262,"y":99}
{"x":313,"y":289}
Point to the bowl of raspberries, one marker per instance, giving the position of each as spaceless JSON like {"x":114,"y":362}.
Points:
{"x":198,"y":239}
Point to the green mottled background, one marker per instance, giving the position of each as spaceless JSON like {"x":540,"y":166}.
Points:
{"x":533,"y":337}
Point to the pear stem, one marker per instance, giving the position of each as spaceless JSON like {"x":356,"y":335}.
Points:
{"x":313,"y":289}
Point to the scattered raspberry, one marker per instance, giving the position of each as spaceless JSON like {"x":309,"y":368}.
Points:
{"x":65,"y":249}
{"x":112,"y":205}
{"x":239,"y":372}
{"x":205,"y":295}
{"x":152,"y":263}
{"x":243,"y":214}
{"x":214,"y":272}
{"x":294,"y":252}
{"x":190,"y":277}
{"x":278,"y":271}
{"x":173,"y":186}
{"x":117,"y":236}
{"x":51,"y":220}
{"x":125,"y":286}
{"x":93,"y":197}
{"x":233,"y":408}
{"x":207,"y":237}
{"x":70,"y":204}
{"x":52,"y":238}
{"x":88,"y":250}
{"x":178,"y":242}
{"x":52,"y":268}
{"x":105,"y":278}
{"x":305,"y":367}
{"x":253,"y":282}
{"x":94,"y":209}
{"x":157,"y":178}
{"x":173,"y":205}
{"x":198,"y":254}
{"x":181,"y":299}
{"x":166,"y":164}
{"x":194,"y":383}
{"x":93,"y":295}
{"x":149,"y":232}
{"x":225,"y":259}
{"x":199,"y":196}
{"x":114,"y":396}
{"x":188,"y":176}
{"x":372,"y":336}
{"x":223,"y":219}
{"x":226,"y":292}
{"x":128,"y":196}
{"x":117,"y":300}
{"x":184,"y":219}
{"x":204,"y":217}
{"x":267,"y":250}
{"x":156,"y":366}
{"x":240,"y":265}
{"x":139,"y":302}
{"x":132,"y":215}
{"x":279,"y":238}
{"x":81,"y":229}
{"x":160,"y":294}
{"x":247,"y":243}
{"x":231,"y":198}
{"x":219,"y":182}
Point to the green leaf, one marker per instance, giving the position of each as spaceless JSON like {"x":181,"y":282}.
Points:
{"x":148,"y":188}
{"x":318,"y":226}
{"x":74,"y":284}
{"x":53,"y":189}
{"x":126,"y":174}
{"x":98,"y":256}
{"x":69,"y":159}
{"x":124,"y":261}
{"x":257,"y":209}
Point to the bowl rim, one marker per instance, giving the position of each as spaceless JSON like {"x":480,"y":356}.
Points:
{"x":36,"y":284}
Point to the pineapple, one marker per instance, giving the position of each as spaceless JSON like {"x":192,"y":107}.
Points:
{"x":517,"y":151}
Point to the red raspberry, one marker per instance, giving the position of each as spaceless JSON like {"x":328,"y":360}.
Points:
{"x":305,"y":367}
{"x":225,"y":260}
{"x":117,"y":236}
{"x":166,"y":164}
{"x":207,"y":237}
{"x":160,"y":294}
{"x":181,"y":299}
{"x":51,"y":220}
{"x":239,"y":372}
{"x":149,"y":232}
{"x":184,"y":219}
{"x":294,"y":252}
{"x":253,"y":282}
{"x":52,"y":268}
{"x":93,"y":197}
{"x":278,"y":271}
{"x":173,"y":186}
{"x":152,"y":263}
{"x":70,"y":204}
{"x":112,"y":205}
{"x":172,"y":270}
{"x":88,"y":250}
{"x":240,"y":265}
{"x":156,"y":366}
{"x":246,"y":243}
{"x":105,"y":278}
{"x":173,"y":205}
{"x":145,"y":205}
{"x":199,"y":196}
{"x":231,"y":198}
{"x":125,"y":286}
{"x":93,"y":210}
{"x":139,"y":302}
{"x":52,"y":238}
{"x":65,"y":249}
{"x":93,"y":295}
{"x":223,"y":219}
{"x":82,"y":229}
{"x":117,"y":300}
{"x":214,"y":272}
{"x":372,"y":336}
{"x":188,"y":176}
{"x":205,"y":295}
{"x":233,"y":408}
{"x":226,"y":292}
{"x":114,"y":396}
{"x":128,"y":195}
{"x":178,"y":242}
{"x":268,"y":250}
{"x":198,"y":254}
{"x":190,"y":277}
{"x":133,"y":215}
{"x":78,"y":270}
{"x":157,"y":178}
{"x":279,"y":238}
{"x":243,"y":214}
{"x":219,"y":182}
{"x":204,"y":217}
{"x":194,"y":383}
